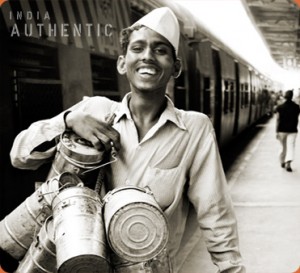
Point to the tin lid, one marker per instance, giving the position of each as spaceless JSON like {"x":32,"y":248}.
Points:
{"x":79,"y":149}
{"x":138,"y":232}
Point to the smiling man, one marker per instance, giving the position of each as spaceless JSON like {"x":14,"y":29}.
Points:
{"x":171,"y":151}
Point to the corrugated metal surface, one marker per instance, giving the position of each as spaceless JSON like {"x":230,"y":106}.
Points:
{"x":93,"y":25}
{"x":278,"y":21}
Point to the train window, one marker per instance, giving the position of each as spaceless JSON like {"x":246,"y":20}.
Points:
{"x":226,"y":96}
{"x":242,"y":92}
{"x":35,"y":85}
{"x":246,"y":98}
{"x":231,"y":90}
{"x":34,"y":61}
{"x":105,"y":77}
{"x":180,"y":99}
{"x":246,"y":94}
{"x":207,"y":108}
{"x":253,"y":96}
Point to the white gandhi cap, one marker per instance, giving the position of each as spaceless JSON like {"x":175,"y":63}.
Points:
{"x":164,"y":22}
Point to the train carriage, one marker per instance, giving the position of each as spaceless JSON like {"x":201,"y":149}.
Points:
{"x":69,"y":50}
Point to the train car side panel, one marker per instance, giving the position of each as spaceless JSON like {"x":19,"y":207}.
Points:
{"x":244,"y":111}
{"x":229,"y":94}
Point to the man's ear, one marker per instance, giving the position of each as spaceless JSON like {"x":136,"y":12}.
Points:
{"x":121,"y":65}
{"x":177,"y":68}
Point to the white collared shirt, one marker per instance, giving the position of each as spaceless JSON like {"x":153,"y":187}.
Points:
{"x":178,"y":159}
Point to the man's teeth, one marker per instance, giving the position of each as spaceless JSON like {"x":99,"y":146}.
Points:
{"x":144,"y":70}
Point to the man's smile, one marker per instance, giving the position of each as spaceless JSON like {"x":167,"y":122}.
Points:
{"x":147,"y":71}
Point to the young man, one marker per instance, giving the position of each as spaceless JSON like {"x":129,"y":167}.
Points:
{"x":287,"y":129}
{"x":171,"y":151}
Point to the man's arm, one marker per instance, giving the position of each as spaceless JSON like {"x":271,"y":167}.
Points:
{"x":36,"y":145}
{"x":210,"y":196}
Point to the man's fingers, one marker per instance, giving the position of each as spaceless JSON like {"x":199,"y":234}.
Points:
{"x":97,"y":143}
{"x":105,"y":141}
{"x":108,"y":135}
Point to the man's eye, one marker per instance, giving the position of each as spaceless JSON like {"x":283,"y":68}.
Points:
{"x":161,"y":50}
{"x":137,"y":49}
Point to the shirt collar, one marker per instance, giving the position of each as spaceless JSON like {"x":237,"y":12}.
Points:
{"x":124,"y":109}
{"x":169,"y":114}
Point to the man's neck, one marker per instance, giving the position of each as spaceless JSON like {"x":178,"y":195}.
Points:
{"x":145,"y":112}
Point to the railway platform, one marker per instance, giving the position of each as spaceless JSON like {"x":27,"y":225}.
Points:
{"x":267,"y":203}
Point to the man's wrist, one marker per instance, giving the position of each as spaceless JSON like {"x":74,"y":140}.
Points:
{"x":67,"y":127}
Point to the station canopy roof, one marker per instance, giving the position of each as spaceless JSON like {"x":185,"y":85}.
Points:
{"x":278,"y":22}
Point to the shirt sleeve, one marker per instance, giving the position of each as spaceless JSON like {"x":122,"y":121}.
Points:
{"x":209,"y":194}
{"x":25,"y":153}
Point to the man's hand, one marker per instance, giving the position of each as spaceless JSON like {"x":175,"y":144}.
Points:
{"x":98,"y":132}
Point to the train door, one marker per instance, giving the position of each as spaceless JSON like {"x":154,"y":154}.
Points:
{"x":181,"y":84}
{"x":194,"y":78}
{"x":34,"y":92}
{"x":244,"y":95}
{"x":205,"y":75}
{"x":217,"y":96}
{"x":237,"y":101}
{"x":251,"y":98}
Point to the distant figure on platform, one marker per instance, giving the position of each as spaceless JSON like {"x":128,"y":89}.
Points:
{"x":286,"y":128}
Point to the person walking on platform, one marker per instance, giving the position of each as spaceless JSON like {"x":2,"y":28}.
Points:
{"x":286,"y":129}
{"x":171,"y":151}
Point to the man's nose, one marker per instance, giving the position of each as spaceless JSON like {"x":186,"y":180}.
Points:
{"x":148,"y":54}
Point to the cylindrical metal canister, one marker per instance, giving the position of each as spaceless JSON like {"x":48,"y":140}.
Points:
{"x":19,"y":227}
{"x":79,"y":232}
{"x":160,"y":264}
{"x":75,"y":155}
{"x":136,"y":227}
{"x":41,"y":256}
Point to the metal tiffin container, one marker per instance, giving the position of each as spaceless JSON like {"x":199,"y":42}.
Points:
{"x":160,"y":264}
{"x":18,"y":228}
{"x":41,"y":256}
{"x":79,"y":232}
{"x":75,"y":155}
{"x":136,"y":227}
